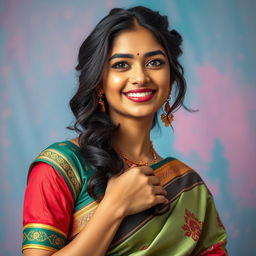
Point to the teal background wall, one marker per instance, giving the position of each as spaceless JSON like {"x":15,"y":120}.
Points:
{"x":38,"y":50}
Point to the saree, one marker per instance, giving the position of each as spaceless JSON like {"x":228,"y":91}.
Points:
{"x":191,"y":226}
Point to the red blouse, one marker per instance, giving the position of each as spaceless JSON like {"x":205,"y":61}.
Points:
{"x":47,"y":201}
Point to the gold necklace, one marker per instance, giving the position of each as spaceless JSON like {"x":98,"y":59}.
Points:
{"x":141,"y":163}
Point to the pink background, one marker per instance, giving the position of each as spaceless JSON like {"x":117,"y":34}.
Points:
{"x":38,"y":51}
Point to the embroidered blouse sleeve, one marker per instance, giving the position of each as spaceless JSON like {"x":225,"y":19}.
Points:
{"x":48,"y":207}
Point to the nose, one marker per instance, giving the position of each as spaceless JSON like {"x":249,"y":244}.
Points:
{"x":138,"y":76}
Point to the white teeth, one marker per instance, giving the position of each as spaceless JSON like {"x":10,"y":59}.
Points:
{"x":138,"y":94}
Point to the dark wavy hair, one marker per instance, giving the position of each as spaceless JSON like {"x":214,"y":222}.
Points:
{"x":95,"y":128}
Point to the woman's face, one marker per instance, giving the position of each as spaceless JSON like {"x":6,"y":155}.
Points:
{"x":136,"y":77}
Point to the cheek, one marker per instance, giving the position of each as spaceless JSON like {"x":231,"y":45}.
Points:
{"x":114,"y":82}
{"x":117,"y":80}
{"x":162,"y":79}
{"x":164,"y":83}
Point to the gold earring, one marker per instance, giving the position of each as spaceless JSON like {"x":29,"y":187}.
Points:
{"x":167,"y":117}
{"x":101,"y":102}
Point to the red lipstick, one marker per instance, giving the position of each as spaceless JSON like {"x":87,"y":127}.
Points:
{"x":140,"y":94}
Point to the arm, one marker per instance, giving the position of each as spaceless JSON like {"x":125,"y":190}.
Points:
{"x":129,"y":193}
{"x":92,"y":240}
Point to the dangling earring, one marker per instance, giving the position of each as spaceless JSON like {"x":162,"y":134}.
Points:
{"x":165,"y":117}
{"x":101,"y":102}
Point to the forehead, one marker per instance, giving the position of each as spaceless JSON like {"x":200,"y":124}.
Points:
{"x":138,"y":40}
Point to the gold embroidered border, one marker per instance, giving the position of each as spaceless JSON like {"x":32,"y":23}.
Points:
{"x":36,"y":235}
{"x":65,"y":166}
{"x":44,"y":226}
{"x":81,"y":217}
{"x":36,"y":246}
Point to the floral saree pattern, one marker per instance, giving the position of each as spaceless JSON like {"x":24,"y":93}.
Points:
{"x":191,"y":226}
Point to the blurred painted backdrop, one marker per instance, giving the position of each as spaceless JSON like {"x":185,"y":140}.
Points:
{"x":38,"y":50}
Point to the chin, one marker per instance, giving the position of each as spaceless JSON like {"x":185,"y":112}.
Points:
{"x":142,"y":115}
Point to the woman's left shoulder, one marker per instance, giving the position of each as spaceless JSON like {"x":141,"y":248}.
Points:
{"x":178,"y":167}
{"x":176,"y":171}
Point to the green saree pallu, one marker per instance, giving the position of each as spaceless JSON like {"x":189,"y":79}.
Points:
{"x":190,"y":226}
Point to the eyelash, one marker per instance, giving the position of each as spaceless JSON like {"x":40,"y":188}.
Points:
{"x":115,"y":65}
{"x":120,"y":64}
{"x":160,"y":62}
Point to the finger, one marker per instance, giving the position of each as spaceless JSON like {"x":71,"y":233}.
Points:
{"x":159,"y":199}
{"x":159,"y":190}
{"x":154,"y":180}
{"x":147,"y":170}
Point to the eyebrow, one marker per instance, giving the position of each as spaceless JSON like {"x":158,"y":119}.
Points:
{"x":130,"y":56}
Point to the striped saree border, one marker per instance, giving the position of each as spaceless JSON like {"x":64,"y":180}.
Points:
{"x":83,"y":215}
{"x":174,"y":175}
{"x":64,"y":166}
{"x":181,"y":179}
{"x":171,"y":170}
{"x":42,"y":236}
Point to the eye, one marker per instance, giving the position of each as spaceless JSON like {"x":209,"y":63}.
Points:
{"x":120,"y":65}
{"x":157,"y":63}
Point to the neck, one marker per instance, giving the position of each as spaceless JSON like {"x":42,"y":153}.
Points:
{"x":133,"y":138}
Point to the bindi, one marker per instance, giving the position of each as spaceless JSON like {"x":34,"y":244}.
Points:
{"x":138,"y":54}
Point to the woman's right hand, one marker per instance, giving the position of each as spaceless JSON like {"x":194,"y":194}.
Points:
{"x":135,"y":190}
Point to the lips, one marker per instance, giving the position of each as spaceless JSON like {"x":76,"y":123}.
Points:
{"x":140,"y":95}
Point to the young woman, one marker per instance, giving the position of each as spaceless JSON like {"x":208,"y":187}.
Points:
{"x":108,"y":192}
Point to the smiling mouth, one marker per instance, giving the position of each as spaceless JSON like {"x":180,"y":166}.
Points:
{"x":140,"y":95}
